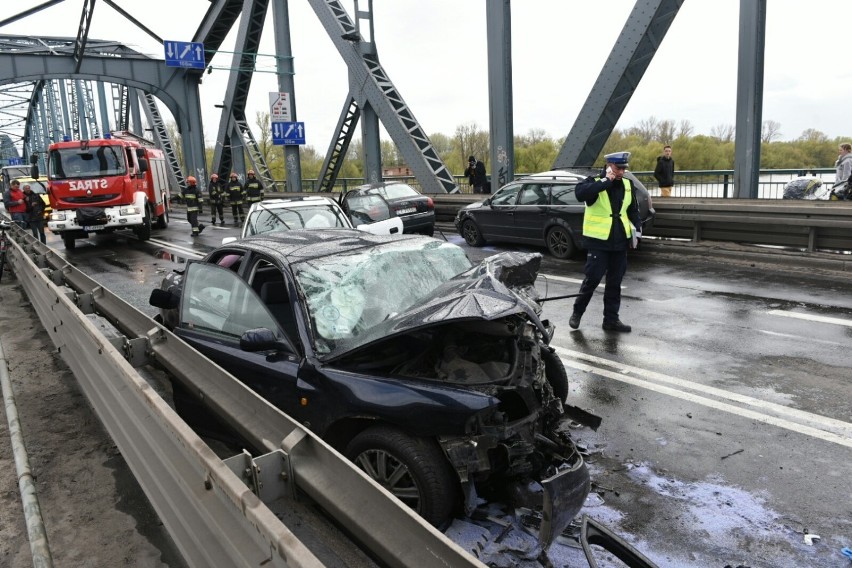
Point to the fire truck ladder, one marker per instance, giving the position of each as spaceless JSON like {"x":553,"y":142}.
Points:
{"x":339,"y":146}
{"x":161,"y":136}
{"x":255,"y":156}
{"x":376,"y":89}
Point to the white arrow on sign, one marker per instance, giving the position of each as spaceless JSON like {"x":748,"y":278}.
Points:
{"x":185,"y":51}
{"x":289,"y":130}
{"x":301,"y":132}
{"x":170,"y":45}
{"x":277,"y":129}
{"x":198,"y":53}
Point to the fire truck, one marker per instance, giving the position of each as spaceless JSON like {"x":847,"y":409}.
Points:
{"x":107,"y":184}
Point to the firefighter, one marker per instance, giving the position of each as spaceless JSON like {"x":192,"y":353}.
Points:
{"x":216,"y":195}
{"x":235,"y":196}
{"x":253,"y":189}
{"x":192,"y":198}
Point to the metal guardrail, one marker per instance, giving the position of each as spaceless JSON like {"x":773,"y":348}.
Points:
{"x":214,"y":519}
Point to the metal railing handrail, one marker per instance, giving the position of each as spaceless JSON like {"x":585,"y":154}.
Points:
{"x":212,"y":516}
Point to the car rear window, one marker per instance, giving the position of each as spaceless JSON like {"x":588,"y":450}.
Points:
{"x":396,"y":191}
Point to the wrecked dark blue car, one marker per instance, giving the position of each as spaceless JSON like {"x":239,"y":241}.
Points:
{"x":432,"y":375}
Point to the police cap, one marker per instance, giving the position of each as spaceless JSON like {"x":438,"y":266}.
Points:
{"x":618,"y":158}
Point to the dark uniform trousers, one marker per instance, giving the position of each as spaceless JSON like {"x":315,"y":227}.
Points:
{"x":613,"y":263}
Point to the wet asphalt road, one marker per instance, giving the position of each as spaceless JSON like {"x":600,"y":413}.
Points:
{"x":727,"y":432}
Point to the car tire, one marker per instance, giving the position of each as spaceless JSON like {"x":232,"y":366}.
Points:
{"x":163,"y":220}
{"x":555,"y":372}
{"x":70,"y":243}
{"x":559,"y":242}
{"x":143,"y":232}
{"x":471,"y":233}
{"x":426,"y":482}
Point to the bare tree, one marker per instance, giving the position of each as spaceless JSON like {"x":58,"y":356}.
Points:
{"x":771,"y":130}
{"x":723,"y":132}
{"x":685,"y":129}
{"x":647,"y":130}
{"x":813,"y":135}
{"x":471,"y":141}
{"x":666,"y":131}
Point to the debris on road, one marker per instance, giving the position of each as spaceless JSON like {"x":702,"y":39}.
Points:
{"x":733,"y":454}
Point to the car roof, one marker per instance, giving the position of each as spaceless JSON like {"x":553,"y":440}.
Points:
{"x":304,"y":244}
{"x":383,"y":184}
{"x":288,"y":202}
{"x":556,"y":174}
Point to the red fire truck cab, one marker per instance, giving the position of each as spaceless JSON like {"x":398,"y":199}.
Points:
{"x":106,"y":184}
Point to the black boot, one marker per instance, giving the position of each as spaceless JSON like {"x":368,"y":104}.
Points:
{"x":616,"y":325}
{"x":200,"y":228}
{"x":574,"y":322}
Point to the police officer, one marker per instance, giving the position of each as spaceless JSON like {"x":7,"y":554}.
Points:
{"x":192,"y":198}
{"x":253,"y":188}
{"x":235,"y":196}
{"x":610,"y":221}
{"x":216,"y":193}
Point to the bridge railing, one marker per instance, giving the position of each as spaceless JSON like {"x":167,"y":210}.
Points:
{"x":705,"y":184}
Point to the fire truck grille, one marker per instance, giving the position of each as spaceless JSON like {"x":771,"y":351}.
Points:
{"x":95,"y":199}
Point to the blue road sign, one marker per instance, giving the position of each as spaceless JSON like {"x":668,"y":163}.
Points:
{"x":288,"y":133}
{"x":184,"y":54}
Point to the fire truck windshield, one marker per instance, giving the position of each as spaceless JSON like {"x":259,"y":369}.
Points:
{"x":97,"y":161}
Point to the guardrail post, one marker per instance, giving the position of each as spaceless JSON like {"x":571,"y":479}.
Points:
{"x":812,"y":234}
{"x":725,"y":186}
{"x":696,"y":232}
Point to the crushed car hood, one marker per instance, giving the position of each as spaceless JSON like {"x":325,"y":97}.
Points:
{"x":500,"y":286}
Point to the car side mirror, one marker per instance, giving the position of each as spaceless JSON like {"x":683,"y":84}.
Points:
{"x":262,"y":339}
{"x":164,"y":299}
{"x":227,"y":240}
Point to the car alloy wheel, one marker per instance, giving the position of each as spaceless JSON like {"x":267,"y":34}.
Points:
{"x":414,"y":470}
{"x":559,"y":243}
{"x":471,"y":234}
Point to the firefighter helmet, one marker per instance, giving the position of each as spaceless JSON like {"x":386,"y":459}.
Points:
{"x":191,"y":180}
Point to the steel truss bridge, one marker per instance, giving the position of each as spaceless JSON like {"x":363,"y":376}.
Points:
{"x":48,"y":87}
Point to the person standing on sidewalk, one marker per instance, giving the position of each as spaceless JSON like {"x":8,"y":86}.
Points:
{"x":35,"y":212}
{"x":253,"y":188}
{"x":475,"y":173}
{"x":664,"y":172}
{"x":235,"y":196}
{"x":216,"y":194}
{"x":610,"y":220}
{"x":192,"y":197}
{"x":843,"y":165}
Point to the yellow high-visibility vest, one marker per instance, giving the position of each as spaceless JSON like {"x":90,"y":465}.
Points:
{"x":597,"y":221}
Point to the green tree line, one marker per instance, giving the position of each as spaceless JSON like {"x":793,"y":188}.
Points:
{"x":536,"y":150}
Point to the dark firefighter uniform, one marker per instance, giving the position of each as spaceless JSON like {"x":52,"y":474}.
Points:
{"x":235,"y":196}
{"x":608,"y":226}
{"x":216,"y":195}
{"x":253,"y":188}
{"x":192,"y":198}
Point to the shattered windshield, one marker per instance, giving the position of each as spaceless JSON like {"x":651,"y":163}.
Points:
{"x":348,"y":295}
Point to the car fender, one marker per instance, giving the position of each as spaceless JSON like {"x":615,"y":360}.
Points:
{"x":554,"y":221}
{"x":422,"y":408}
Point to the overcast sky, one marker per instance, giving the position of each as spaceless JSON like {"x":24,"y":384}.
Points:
{"x":435,"y":53}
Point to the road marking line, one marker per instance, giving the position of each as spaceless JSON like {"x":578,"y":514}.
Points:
{"x":723,"y":406}
{"x":562,"y":279}
{"x":810,"y":317}
{"x":623,"y":370}
{"x":171,"y":246}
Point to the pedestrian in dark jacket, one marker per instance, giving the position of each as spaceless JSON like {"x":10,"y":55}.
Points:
{"x":475,"y":173}
{"x":35,"y":212}
{"x":192,"y":197}
{"x":216,"y":195}
{"x":235,"y":196}
{"x":610,"y":222}
{"x":664,"y":172}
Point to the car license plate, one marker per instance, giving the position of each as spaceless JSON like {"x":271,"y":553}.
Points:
{"x":93,"y":227}
{"x":406,"y":210}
